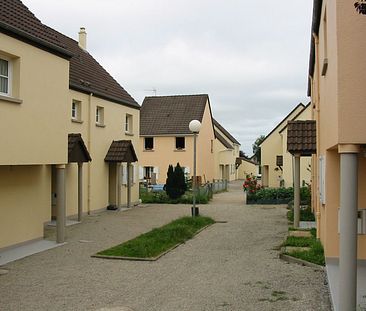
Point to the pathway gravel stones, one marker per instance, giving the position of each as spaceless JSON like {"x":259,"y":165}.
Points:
{"x":231,"y":266}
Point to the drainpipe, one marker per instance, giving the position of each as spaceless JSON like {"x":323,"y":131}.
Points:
{"x":317,"y":119}
{"x":90,"y":117}
{"x":348,"y":227}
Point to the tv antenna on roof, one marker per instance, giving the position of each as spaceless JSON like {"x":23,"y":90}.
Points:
{"x":154,"y":90}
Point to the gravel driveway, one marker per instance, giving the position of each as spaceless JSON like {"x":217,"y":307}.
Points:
{"x":229,"y":266}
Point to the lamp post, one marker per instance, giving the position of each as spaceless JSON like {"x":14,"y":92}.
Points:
{"x":194,"y":127}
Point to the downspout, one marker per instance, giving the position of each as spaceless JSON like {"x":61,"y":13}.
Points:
{"x":317,"y":118}
{"x":89,"y":148}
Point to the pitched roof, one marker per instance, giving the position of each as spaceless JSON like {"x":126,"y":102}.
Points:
{"x":301,"y":137}
{"x":170,"y":115}
{"x":225,"y":132}
{"x":16,"y":20}
{"x":222,"y":140}
{"x":283,"y":120}
{"x":88,"y":76}
{"x":77,"y":151}
{"x":121,"y":151}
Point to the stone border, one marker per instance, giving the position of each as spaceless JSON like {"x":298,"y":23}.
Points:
{"x":150,"y":258}
{"x":290,"y":259}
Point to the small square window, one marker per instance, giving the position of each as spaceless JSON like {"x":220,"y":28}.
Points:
{"x":76,"y":110}
{"x":180,"y":143}
{"x":149,"y":143}
{"x":128,"y":124}
{"x":99,"y":115}
{"x":4,"y":77}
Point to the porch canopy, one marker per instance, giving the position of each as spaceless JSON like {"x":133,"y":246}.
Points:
{"x":301,"y":137}
{"x":77,"y":151}
{"x":121,"y":151}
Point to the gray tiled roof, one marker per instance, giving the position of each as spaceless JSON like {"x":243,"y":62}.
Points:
{"x":121,"y":151}
{"x":170,"y":115}
{"x":301,"y":137}
{"x":226,"y":133}
{"x":222,"y":140}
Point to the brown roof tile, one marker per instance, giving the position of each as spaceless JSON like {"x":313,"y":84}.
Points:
{"x":121,"y":151}
{"x":77,"y":151}
{"x":170,"y":115}
{"x":301,"y":137}
{"x":226,"y":133}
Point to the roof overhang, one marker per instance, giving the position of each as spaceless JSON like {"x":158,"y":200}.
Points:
{"x":77,"y":151}
{"x":121,"y":151}
{"x":301,"y":137}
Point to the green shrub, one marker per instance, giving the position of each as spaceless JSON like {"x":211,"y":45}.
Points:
{"x":162,"y":198}
{"x":306,"y":214}
{"x":278,"y":196}
{"x":175,"y":183}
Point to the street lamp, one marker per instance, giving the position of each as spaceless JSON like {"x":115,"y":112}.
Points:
{"x":194,"y":127}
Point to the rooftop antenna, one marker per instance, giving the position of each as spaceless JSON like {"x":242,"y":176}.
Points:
{"x":154,"y":90}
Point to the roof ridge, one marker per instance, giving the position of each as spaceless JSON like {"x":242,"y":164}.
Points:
{"x":177,"y":95}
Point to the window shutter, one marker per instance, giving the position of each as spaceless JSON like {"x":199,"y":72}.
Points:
{"x":141,"y":172}
{"x":124,"y":174}
{"x":322,"y":165}
{"x":156,"y":171}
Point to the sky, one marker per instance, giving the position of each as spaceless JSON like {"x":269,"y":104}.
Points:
{"x":251,"y":57}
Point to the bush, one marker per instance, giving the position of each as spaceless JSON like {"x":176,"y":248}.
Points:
{"x":175,"y":183}
{"x":278,"y":196}
{"x":306,"y":214}
{"x":162,"y":198}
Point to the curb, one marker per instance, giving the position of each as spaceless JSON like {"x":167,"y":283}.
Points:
{"x":150,"y":258}
{"x":290,"y":259}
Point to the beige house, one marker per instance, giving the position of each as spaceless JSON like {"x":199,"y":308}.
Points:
{"x":226,"y":151}
{"x":246,"y":167}
{"x":59,"y":110}
{"x":165,"y":137}
{"x":276,"y":162}
{"x":336,"y":86}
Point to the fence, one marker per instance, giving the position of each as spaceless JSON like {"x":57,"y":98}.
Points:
{"x":210,"y":188}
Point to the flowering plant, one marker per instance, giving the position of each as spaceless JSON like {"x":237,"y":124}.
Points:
{"x":251,"y":184}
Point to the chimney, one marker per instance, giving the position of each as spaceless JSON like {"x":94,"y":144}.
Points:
{"x":82,"y":38}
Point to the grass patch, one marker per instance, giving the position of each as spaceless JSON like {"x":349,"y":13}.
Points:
{"x":159,"y":240}
{"x":316,"y":252}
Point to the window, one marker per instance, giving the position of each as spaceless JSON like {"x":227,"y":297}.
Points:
{"x":149,"y":143}
{"x":148,"y":171}
{"x":180,"y":143}
{"x":211,"y":145}
{"x":279,"y":160}
{"x":4,"y":77}
{"x":99,"y":115}
{"x":128,"y":124}
{"x":76,"y":110}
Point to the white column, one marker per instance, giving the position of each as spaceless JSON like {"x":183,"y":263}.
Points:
{"x":297,"y":191}
{"x":128,"y":184}
{"x":80,"y":191}
{"x":118,"y":184}
{"x":348,"y":232}
{"x":60,"y":203}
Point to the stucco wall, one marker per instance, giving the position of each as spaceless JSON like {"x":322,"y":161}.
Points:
{"x":37,"y":125}
{"x":247,"y":168}
{"x":25,"y":204}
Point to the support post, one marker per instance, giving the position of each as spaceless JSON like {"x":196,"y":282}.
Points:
{"x":128,"y":184}
{"x":118,"y":184}
{"x":297,"y":191}
{"x":348,"y":232}
{"x":80,"y":191}
{"x":60,"y":203}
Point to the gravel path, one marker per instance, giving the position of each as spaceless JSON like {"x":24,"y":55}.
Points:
{"x":228,"y":267}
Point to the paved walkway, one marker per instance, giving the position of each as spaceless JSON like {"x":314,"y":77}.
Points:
{"x":230,"y":266}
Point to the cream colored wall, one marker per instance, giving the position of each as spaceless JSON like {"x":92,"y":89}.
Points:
{"x":25,"y":204}
{"x":38,"y":132}
{"x":164,"y":152}
{"x":98,"y":140}
{"x":247,"y":168}
{"x":337,"y":99}
{"x":272,"y":147}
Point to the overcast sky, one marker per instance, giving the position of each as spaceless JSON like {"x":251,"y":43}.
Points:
{"x":250,"y":56}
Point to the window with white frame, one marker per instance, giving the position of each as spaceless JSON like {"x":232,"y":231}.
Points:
{"x":5,"y":79}
{"x":149,"y":143}
{"x":99,"y":115}
{"x":148,"y":171}
{"x":76,"y":110}
{"x":128,"y":124}
{"x":180,"y":143}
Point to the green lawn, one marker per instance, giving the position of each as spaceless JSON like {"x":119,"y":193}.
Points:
{"x":159,"y":240}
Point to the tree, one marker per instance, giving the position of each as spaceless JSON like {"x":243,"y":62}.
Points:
{"x":175,"y":185}
{"x":257,"y":148}
{"x":242,"y":154}
{"x":361,"y":7}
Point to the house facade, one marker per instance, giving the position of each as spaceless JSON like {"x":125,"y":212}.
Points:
{"x":60,"y":114}
{"x":337,"y":73}
{"x":246,"y":167}
{"x":165,"y":138}
{"x":226,"y":150}
{"x":276,"y":162}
